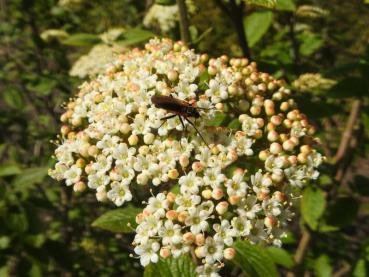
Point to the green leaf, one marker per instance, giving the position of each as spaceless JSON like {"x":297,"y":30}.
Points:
{"x":286,"y":5}
{"x":119,"y":220}
{"x":234,"y":124}
{"x":182,"y":266}
{"x":4,"y":242}
{"x":360,"y":269}
{"x":281,"y":257}
{"x":342,"y":212}
{"x":217,"y":120}
{"x":254,"y":260}
{"x":134,"y":36}
{"x":310,"y":43}
{"x":350,"y":87}
{"x":322,"y":266}
{"x":8,"y":169}
{"x":81,"y":39}
{"x":165,"y":2}
{"x":29,"y":177}
{"x":256,"y":25}
{"x":13,"y":98}
{"x":262,"y":3}
{"x":17,"y":222}
{"x":312,"y":206}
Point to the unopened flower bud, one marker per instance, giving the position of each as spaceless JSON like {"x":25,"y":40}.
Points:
{"x":302,"y":158}
{"x":139,"y":218}
{"x":93,"y":150}
{"x":184,"y":160}
{"x":79,"y":186}
{"x":305,"y":149}
{"x":229,"y":253}
{"x":182,"y":216}
{"x":217,"y":193}
{"x":272,"y":135}
{"x":197,"y":167}
{"x":188,"y":238}
{"x":270,"y":221}
{"x":149,"y":138}
{"x":164,"y":252}
{"x":207,"y":193}
{"x":288,"y":145}
{"x":171,"y":197}
{"x":171,"y":215}
{"x":199,"y":239}
{"x":172,"y":75}
{"x":133,"y":140}
{"x":263,"y":155}
{"x":275,"y":148}
{"x":222,"y":207}
{"x":125,"y":128}
{"x":173,"y":174}
{"x":200,"y":252}
{"x":234,"y":199}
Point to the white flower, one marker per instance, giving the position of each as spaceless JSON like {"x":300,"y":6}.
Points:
{"x":208,"y":270}
{"x":72,"y":175}
{"x":170,"y":233}
{"x":197,"y":221}
{"x":236,"y":186}
{"x":119,"y":193}
{"x":148,"y":252}
{"x":190,"y":183}
{"x":224,"y":232}
{"x":158,"y":205}
{"x":241,"y":226}
{"x":213,"y":250}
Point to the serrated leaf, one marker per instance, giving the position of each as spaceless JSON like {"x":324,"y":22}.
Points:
{"x":262,"y":3}
{"x":254,"y":260}
{"x":360,"y":269}
{"x":29,"y":177}
{"x":117,"y":220}
{"x":256,"y":25}
{"x":8,"y":169}
{"x":281,"y":257}
{"x":134,"y":36}
{"x":286,"y":5}
{"x":322,"y":266}
{"x":312,"y":206}
{"x":82,"y":39}
{"x":182,"y":266}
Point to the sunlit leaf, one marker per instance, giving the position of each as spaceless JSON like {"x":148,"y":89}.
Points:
{"x":8,"y":169}
{"x":281,"y":257}
{"x":119,"y":220}
{"x":182,"y":266}
{"x":256,"y":25}
{"x":263,"y":3}
{"x":254,"y":260}
{"x":286,"y":5}
{"x":322,"y":266}
{"x":134,"y":36}
{"x":29,"y":177}
{"x":312,"y":206}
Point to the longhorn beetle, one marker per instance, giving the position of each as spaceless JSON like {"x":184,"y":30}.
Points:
{"x":179,"y":108}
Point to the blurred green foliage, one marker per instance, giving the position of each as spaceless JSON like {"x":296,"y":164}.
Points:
{"x":46,"y":228}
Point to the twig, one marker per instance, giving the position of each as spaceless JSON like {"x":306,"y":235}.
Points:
{"x":183,"y":21}
{"x":342,"y":271}
{"x":300,"y":253}
{"x":347,"y":134}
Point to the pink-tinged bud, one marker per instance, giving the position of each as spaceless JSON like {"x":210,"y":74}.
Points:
{"x":258,"y":134}
{"x":206,"y":193}
{"x":164,"y":252}
{"x":263,"y":155}
{"x":204,"y":58}
{"x":238,"y":76}
{"x":292,"y":115}
{"x":254,"y":76}
{"x":88,"y":169}
{"x":133,"y":140}
{"x":280,"y":196}
{"x":248,"y":81}
{"x":295,"y":140}
{"x":182,"y":216}
{"x":172,"y":75}
{"x":288,"y":145}
{"x":197,"y":167}
{"x":80,"y":163}
{"x":93,"y":150}
{"x":212,"y":70}
{"x":262,"y":196}
{"x":271,"y":126}
{"x":72,"y":135}
{"x":260,"y":122}
{"x":222,"y":207}
{"x":273,"y":135}
{"x":262,"y":87}
{"x":229,"y":253}
{"x":65,"y":129}
{"x":173,"y":174}
{"x":199,"y":239}
{"x":302,"y":158}
{"x":305,"y":149}
{"x":255,"y":110}
{"x":184,"y":160}
{"x":276,"y":120}
{"x":304,"y":123}
{"x":217,"y":193}
{"x":292,"y":159}
{"x":287,"y":123}
{"x":233,"y":89}
{"x":275,"y":148}
{"x":171,"y":215}
{"x":200,"y":252}
{"x":232,"y":155}
{"x":284,"y":106}
{"x":270,"y":221}
{"x":171,"y":197}
{"x":76,"y":121}
{"x":272,"y":86}
{"x":277,"y":176}
{"x":139,"y":218}
{"x":234,"y":199}
{"x":146,"y":212}
{"x":79,"y":186}
{"x":277,"y":96}
{"x":188,"y":238}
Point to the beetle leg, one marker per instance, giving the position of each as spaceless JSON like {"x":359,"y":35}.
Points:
{"x":193,"y":125}
{"x":166,"y":118}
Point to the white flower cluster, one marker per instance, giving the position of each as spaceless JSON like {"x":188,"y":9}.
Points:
{"x":260,"y":151}
{"x":96,"y":60}
{"x":165,"y":16}
{"x":311,"y":82}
